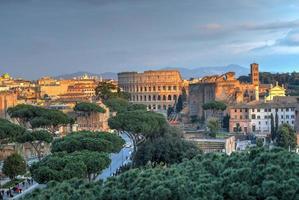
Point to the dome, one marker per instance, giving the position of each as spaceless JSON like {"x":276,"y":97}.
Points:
{"x":6,"y":76}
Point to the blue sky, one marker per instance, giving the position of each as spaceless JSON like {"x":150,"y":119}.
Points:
{"x":39,"y":37}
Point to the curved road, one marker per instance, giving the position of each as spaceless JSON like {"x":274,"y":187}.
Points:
{"x":117,"y":160}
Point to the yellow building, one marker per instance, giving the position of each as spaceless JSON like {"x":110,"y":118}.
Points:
{"x":276,"y":91}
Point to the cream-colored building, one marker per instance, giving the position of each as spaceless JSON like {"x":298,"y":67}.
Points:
{"x":158,"y":89}
{"x":276,"y":91}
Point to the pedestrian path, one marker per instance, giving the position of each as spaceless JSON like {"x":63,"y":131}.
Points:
{"x":18,"y":190}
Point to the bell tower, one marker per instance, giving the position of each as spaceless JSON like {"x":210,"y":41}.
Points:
{"x":254,"y":69}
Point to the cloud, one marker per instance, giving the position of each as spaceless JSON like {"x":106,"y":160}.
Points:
{"x":291,"y":39}
{"x":213,"y":27}
{"x":271,"y":25}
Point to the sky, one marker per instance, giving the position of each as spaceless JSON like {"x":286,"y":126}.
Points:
{"x":39,"y":37}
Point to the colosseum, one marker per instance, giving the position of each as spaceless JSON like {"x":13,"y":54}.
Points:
{"x":158,"y":90}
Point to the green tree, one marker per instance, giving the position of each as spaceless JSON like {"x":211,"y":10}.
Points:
{"x":133,"y":107}
{"x":37,"y":117}
{"x":259,"y":142}
{"x":92,"y":141}
{"x":225,"y":122}
{"x":36,"y":140}
{"x":213,"y":125}
{"x":14,"y":165}
{"x":88,"y":108}
{"x":117,"y":104}
{"x":164,"y":150}
{"x":179,"y":104}
{"x":254,"y":174}
{"x":286,"y":137}
{"x":9,"y":131}
{"x":273,"y":131}
{"x":149,"y":124}
{"x":63,"y":166}
{"x":214,"y":106}
{"x":106,"y":90}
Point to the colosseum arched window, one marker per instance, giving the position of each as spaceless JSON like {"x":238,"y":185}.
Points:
{"x":169,"y":98}
{"x":164,"y":98}
{"x":159,"y":98}
{"x":149,"y":97}
{"x":154,"y":97}
{"x":144,"y":98}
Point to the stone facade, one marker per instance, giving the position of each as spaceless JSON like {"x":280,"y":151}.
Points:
{"x":224,"y":88}
{"x":158,"y":90}
{"x":94,"y":121}
{"x":7,"y":99}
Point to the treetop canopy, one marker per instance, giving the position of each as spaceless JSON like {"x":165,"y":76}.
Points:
{"x":88,"y":107}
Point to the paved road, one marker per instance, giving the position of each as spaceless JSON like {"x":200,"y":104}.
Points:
{"x":117,"y":160}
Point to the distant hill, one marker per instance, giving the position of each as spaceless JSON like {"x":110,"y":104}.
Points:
{"x":105,"y":75}
{"x":207,"y":71}
{"x":185,"y":72}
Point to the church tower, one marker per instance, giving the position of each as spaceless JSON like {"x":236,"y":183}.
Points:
{"x":254,"y":69}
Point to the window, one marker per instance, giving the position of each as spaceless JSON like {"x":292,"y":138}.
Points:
{"x":258,"y":117}
{"x":169,"y":87}
{"x":154,"y":88}
{"x":164,"y":87}
{"x":236,"y":117}
{"x":174,"y":88}
{"x":287,"y":109}
{"x":281,"y":117}
{"x":241,"y":117}
{"x":246,"y":109}
{"x":287,"y":116}
{"x":253,"y":117}
{"x":235,"y":110}
{"x":258,"y":110}
{"x":253,"y":110}
{"x":159,"y":88}
{"x":240,"y":110}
